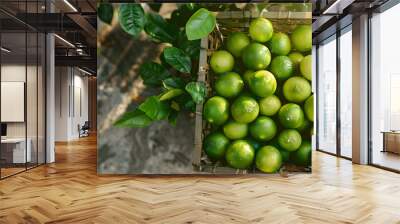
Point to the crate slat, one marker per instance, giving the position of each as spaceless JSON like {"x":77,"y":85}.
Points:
{"x":203,"y":68}
{"x":288,"y":15}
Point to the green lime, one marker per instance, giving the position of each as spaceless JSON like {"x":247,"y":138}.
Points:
{"x":274,"y":142}
{"x":261,"y":30}
{"x":247,"y":75}
{"x":280,"y":44}
{"x":256,"y":56}
{"x":236,"y":42}
{"x":235,"y":130}
{"x":263,"y":128}
{"x":296,"y":58}
{"x":291,"y":115}
{"x":215,"y":145}
{"x":302,"y":38}
{"x":268,"y":159}
{"x":254,"y":143}
{"x":309,"y":108}
{"x":279,"y":92}
{"x":306,"y":67}
{"x":269,"y":105}
{"x":304,"y":126}
{"x":302,"y":156}
{"x":229,"y":84}
{"x":222,"y":61}
{"x":240,"y":154}
{"x":285,"y":155}
{"x":296,"y":89}
{"x":216,"y":110}
{"x":245,"y":93}
{"x":282,"y":67}
{"x":289,"y":139}
{"x":263,"y":83}
{"x":244,"y":109}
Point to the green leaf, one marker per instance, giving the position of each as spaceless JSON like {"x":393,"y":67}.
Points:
{"x":191,"y":6}
{"x":133,"y":119}
{"x":173,"y":83}
{"x":105,"y":11}
{"x":175,"y":106}
{"x":157,"y":28}
{"x":190,"y":105}
{"x":173,"y":117}
{"x":177,"y":59}
{"x":171,"y":93}
{"x":154,"y":108}
{"x":155,"y":6}
{"x":132,"y":18}
{"x":190,"y":47}
{"x":200,"y":24}
{"x":197,"y":90}
{"x":180,"y":16}
{"x":185,"y":102}
{"x":153,"y":73}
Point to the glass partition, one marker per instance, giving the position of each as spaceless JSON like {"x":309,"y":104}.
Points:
{"x":14,"y":153}
{"x":346,"y":92}
{"x":31,"y":97}
{"x":327,"y":95}
{"x":385,"y":89}
{"x":22,"y":87}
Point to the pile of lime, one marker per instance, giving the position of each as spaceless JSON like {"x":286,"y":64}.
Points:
{"x":261,"y":112}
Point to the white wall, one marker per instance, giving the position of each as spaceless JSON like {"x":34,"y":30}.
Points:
{"x":71,"y":102}
{"x":61,"y":103}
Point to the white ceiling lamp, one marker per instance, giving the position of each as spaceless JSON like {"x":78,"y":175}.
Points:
{"x":84,"y":71}
{"x":5,"y":50}
{"x":70,"y":5}
{"x":80,"y":51}
{"x":337,"y":7}
{"x":64,"y":40}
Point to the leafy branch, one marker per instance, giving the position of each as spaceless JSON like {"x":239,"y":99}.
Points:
{"x":176,"y":75}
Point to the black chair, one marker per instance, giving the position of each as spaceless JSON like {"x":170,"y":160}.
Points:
{"x":84,"y":130}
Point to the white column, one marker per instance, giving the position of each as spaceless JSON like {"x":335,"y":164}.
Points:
{"x":360,"y":90}
{"x":50,"y":93}
{"x":50,"y":110}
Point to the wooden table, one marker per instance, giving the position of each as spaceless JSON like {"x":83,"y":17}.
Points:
{"x":391,"y":141}
{"x":13,"y":150}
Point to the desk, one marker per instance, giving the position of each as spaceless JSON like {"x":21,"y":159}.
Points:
{"x":391,"y":141}
{"x":16,"y":148}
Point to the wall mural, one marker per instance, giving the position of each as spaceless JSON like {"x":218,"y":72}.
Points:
{"x":204,"y":88}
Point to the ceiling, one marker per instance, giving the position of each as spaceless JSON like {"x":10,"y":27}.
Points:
{"x":332,"y":15}
{"x":74,"y":22}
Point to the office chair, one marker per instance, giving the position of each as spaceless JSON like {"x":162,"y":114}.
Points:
{"x":84,"y":130}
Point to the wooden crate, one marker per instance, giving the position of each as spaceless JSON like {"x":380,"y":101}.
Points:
{"x":228,"y":22}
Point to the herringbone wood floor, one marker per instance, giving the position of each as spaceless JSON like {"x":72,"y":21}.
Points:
{"x":69,"y":191}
